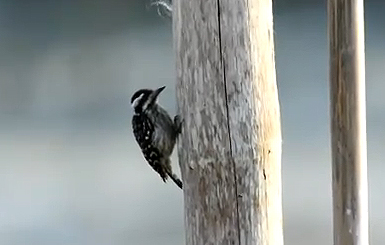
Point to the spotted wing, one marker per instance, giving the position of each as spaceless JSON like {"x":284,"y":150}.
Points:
{"x":143,"y":132}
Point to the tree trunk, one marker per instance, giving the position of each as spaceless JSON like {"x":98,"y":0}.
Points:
{"x":230,"y":147}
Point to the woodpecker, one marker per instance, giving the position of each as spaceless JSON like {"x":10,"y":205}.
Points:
{"x":155,"y":132}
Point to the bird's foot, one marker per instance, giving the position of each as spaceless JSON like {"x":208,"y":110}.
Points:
{"x":178,"y":123}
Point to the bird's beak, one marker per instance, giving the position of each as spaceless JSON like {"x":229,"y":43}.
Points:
{"x":156,"y":93}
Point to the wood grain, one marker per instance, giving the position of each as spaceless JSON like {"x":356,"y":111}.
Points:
{"x":348,"y":121}
{"x":230,"y":149}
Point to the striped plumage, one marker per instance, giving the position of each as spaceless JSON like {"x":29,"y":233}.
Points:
{"x":155,"y":132}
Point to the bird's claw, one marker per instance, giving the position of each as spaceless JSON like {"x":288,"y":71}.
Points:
{"x":178,"y":123}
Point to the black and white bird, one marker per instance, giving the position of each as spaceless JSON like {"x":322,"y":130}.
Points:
{"x":155,"y":132}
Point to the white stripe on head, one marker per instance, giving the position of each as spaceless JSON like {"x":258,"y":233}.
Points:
{"x":136,"y":101}
{"x":147,"y":103}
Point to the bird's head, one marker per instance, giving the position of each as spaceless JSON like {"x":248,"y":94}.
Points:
{"x":144,"y":99}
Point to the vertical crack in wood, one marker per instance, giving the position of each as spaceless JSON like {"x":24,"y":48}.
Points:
{"x":228,"y":119}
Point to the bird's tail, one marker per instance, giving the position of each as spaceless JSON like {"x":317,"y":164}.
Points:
{"x":168,"y":171}
{"x":176,"y":180}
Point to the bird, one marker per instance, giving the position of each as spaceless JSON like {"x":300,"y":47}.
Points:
{"x":155,"y":132}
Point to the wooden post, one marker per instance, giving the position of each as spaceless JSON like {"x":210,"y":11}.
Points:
{"x":230,"y":148}
{"x":348,"y":122}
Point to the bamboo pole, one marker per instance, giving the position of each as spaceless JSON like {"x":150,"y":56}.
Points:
{"x":230,"y":147}
{"x":348,"y":121}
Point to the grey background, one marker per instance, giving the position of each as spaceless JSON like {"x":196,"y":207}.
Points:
{"x":70,"y":171}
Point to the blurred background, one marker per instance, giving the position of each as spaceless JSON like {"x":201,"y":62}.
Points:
{"x":70,"y":171}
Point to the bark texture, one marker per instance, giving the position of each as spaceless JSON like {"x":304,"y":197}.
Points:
{"x":230,"y":148}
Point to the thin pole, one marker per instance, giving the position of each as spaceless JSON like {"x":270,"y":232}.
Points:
{"x":348,"y":121}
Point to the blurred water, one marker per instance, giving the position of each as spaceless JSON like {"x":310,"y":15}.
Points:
{"x":70,"y":171}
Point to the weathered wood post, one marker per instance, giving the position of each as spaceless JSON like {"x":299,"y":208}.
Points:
{"x":348,"y":121}
{"x":230,"y":148}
